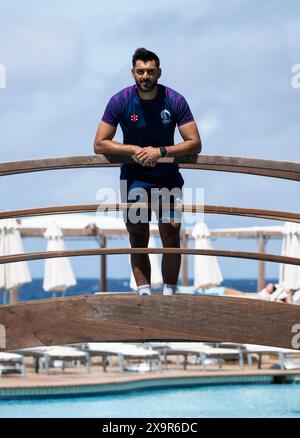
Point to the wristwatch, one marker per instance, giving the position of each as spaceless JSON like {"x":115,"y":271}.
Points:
{"x":163,"y":151}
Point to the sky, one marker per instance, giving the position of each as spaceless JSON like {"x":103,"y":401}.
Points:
{"x":231,"y":60}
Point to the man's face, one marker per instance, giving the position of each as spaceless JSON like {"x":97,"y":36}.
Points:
{"x":146,"y":75}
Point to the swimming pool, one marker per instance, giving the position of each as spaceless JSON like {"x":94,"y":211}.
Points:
{"x":246,"y":400}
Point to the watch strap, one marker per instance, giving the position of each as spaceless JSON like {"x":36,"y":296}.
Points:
{"x":163,"y":151}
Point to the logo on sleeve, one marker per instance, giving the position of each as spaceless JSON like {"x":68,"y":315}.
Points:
{"x":165,"y":116}
{"x":134,"y":117}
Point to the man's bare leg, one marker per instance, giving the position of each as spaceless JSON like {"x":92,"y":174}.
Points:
{"x":139,"y":238}
{"x":170,"y":237}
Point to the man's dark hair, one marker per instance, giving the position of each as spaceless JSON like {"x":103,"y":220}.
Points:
{"x":144,"y":55}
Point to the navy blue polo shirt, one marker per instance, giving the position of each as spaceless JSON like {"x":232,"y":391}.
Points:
{"x":148,"y":123}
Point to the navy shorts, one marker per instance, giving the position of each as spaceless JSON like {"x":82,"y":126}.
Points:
{"x":160,"y":194}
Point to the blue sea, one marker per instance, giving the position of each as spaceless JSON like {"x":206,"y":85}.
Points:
{"x":34,"y":290}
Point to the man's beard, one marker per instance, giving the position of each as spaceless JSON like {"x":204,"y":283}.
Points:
{"x":148,"y":87}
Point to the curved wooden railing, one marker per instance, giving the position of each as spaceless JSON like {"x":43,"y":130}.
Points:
{"x":129,"y":317}
{"x":119,"y":251}
{"x":192,"y":208}
{"x":253,"y":166}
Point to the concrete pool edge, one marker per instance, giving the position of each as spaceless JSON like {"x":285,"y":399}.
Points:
{"x":155,"y":383}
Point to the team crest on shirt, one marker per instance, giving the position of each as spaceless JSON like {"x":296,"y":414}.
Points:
{"x":165,"y":116}
{"x":134,"y":117}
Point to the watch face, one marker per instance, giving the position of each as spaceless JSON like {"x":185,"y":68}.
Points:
{"x":163,"y":151}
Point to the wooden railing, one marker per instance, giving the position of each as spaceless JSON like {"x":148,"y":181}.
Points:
{"x":129,"y":317}
{"x":208,"y":209}
{"x":253,"y":166}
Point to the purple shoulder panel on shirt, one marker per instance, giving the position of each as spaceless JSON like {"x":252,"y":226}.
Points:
{"x":115,"y":106}
{"x":180,"y":106}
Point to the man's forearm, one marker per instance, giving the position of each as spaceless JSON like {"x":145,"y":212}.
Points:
{"x":187,"y":147}
{"x":114,"y":147}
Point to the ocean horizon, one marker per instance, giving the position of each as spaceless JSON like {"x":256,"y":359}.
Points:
{"x":34,"y":290}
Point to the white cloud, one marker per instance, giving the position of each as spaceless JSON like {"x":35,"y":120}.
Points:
{"x":208,"y":124}
{"x":41,"y":55}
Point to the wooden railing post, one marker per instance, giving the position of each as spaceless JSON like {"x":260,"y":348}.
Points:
{"x":13,"y":295}
{"x":261,"y":264}
{"x":184,"y":261}
{"x":103,"y":285}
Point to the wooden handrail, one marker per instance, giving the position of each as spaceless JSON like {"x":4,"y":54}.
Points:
{"x":189,"y":208}
{"x":119,"y":251}
{"x":128,"y":317}
{"x":254,"y":166}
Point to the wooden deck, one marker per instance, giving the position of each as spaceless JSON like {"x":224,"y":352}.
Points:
{"x":78,"y":377}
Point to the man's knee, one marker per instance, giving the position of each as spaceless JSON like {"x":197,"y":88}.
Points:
{"x":138,"y":235}
{"x":172,"y":241}
{"x":170,"y":235}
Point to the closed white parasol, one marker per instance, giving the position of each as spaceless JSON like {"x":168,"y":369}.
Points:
{"x":12,"y":275}
{"x":289,"y":275}
{"x":58,"y":275}
{"x":207,"y":272}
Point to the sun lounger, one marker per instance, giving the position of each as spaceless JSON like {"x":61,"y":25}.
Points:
{"x":11,"y":362}
{"x":48,"y":356}
{"x":36,"y":353}
{"x":260,"y":351}
{"x":125,"y":352}
{"x":291,"y":365}
{"x":203,"y":352}
{"x":66,"y":355}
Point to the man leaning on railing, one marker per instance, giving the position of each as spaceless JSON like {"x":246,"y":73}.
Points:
{"x":148,"y":113}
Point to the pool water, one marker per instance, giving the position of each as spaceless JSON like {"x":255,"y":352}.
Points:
{"x":240,"y":401}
